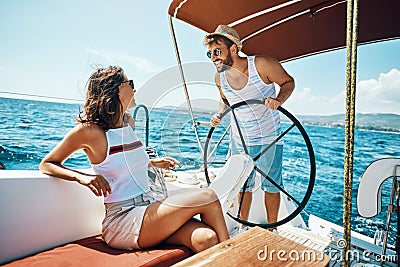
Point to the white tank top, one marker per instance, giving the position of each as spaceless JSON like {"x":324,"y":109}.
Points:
{"x":125,"y":167}
{"x":259,"y":125}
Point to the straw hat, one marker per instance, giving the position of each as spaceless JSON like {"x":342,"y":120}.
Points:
{"x":229,"y":33}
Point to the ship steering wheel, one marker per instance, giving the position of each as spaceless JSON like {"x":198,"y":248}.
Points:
{"x":295,"y":124}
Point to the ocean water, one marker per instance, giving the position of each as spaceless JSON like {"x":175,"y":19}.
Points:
{"x":30,"y":129}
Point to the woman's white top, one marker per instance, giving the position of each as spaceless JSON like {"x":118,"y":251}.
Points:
{"x":125,"y":167}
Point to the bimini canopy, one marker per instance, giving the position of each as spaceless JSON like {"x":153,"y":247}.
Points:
{"x":291,"y":29}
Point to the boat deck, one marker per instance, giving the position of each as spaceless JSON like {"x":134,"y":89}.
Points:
{"x":257,"y":247}
{"x":332,"y":247}
{"x":323,"y":236}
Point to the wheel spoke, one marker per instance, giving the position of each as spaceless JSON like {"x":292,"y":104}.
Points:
{"x":276,"y":185}
{"x":295,"y":124}
{"x":217,"y":144}
{"x":217,"y":162}
{"x":240,"y":133}
{"x":242,"y":198}
{"x":274,"y":142}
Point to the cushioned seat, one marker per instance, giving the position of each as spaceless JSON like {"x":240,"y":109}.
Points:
{"x":93,"y":251}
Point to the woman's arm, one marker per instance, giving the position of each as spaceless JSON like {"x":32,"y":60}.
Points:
{"x":164,"y":163}
{"x":76,"y":139}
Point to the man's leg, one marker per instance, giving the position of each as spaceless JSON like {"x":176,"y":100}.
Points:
{"x":272,"y":202}
{"x":273,"y":166}
{"x":245,"y":209}
{"x":248,"y":194}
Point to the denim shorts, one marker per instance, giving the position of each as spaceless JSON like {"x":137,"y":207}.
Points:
{"x":123,"y":221}
{"x":270,"y":163}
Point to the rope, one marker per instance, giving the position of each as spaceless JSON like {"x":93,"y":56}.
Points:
{"x":178,"y":58}
{"x":398,"y":225}
{"x":41,"y":96}
{"x":351,"y":44}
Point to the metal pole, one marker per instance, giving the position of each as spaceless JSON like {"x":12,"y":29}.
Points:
{"x":351,"y":44}
{"x":398,"y":224}
{"x":178,"y":58}
{"x":146,"y":111}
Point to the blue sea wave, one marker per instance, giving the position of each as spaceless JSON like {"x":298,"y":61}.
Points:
{"x":30,"y":129}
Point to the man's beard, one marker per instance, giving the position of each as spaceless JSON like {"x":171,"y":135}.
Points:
{"x":228,"y":62}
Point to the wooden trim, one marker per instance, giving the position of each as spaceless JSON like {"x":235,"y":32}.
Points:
{"x":257,"y":247}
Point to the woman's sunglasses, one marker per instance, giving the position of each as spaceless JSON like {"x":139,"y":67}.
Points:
{"x":216,"y":52}
{"x":130,"y":83}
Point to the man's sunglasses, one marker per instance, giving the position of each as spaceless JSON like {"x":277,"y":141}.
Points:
{"x":216,"y":52}
{"x":130,"y":83}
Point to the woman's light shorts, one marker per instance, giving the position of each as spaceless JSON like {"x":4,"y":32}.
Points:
{"x":123,"y":220}
{"x":270,"y":163}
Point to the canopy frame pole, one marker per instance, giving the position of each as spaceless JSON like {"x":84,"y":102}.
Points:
{"x":178,"y":58}
{"x":351,"y":60}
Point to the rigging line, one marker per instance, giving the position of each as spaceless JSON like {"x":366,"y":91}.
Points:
{"x":351,"y":69}
{"x":219,"y":141}
{"x":390,"y":210}
{"x":58,"y":140}
{"x":178,"y":58}
{"x":29,"y":140}
{"x":398,"y":224}
{"x":41,"y":96}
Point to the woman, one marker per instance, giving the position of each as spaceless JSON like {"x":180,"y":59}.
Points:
{"x":134,"y":218}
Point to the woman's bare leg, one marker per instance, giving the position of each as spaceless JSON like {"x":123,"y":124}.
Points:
{"x":162,"y":219}
{"x":195,"y":235}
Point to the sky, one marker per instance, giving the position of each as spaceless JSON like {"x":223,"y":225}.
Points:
{"x":49,"y":48}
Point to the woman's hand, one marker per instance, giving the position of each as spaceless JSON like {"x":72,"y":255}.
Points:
{"x":164,"y":163}
{"x":97,"y":183}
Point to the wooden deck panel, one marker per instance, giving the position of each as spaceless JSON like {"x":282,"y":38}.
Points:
{"x":257,"y":247}
{"x":330,"y":247}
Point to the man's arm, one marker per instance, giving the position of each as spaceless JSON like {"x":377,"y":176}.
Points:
{"x":271,"y":71}
{"x":223,"y":104}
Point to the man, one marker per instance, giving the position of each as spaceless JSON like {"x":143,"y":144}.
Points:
{"x":244,"y":78}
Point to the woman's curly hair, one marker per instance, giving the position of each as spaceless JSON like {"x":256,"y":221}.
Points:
{"x":102,"y":105}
